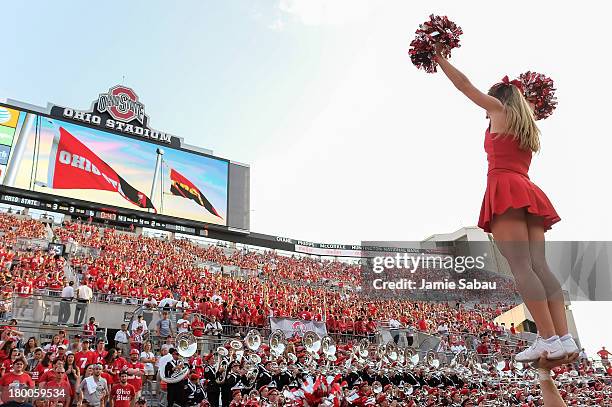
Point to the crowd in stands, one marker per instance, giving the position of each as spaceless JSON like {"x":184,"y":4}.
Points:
{"x":184,"y":275}
{"x":13,"y":227}
{"x":153,"y":269}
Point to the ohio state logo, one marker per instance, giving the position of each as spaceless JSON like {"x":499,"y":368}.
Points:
{"x":122,"y":104}
{"x":299,"y":328}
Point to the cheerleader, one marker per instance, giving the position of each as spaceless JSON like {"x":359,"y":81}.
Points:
{"x":515,"y":210}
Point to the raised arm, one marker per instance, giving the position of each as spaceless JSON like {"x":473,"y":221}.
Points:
{"x":461,"y":82}
{"x":550,"y":393}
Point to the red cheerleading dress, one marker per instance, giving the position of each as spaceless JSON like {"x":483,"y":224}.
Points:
{"x":508,"y":184}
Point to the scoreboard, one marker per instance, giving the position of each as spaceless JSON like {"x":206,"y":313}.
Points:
{"x":107,"y":163}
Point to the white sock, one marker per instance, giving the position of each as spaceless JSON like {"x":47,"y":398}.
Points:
{"x":551,"y":339}
{"x":566,"y":336}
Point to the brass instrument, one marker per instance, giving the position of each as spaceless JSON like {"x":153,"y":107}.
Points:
{"x":412,"y":357}
{"x":328,"y":346}
{"x":308,"y":360}
{"x":221,"y":364}
{"x":186,"y":345}
{"x":312,"y":342}
{"x":253,"y":359}
{"x":235,"y":344}
{"x":363,"y":346}
{"x":251,"y":373}
{"x":252,"y":340}
{"x":401,"y":358}
{"x":460,"y":359}
{"x":391,"y":352}
{"x":471,"y":360}
{"x":278,"y":343}
{"x":237,"y":350}
{"x":432,"y":359}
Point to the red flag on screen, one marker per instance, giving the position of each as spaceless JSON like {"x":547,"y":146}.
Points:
{"x":181,"y":186}
{"x":74,"y":166}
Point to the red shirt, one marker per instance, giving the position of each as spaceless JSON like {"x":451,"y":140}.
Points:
{"x":482,"y":349}
{"x":39,"y":371}
{"x":7,"y":364}
{"x":123,"y":394}
{"x":89,"y":330}
{"x":25,"y":289}
{"x":11,"y":378}
{"x":95,"y":357}
{"x":49,"y":375}
{"x":81,"y":359}
{"x":41,"y":283}
{"x":422,"y":325}
{"x":135,"y":380}
{"x":197,"y":327}
{"x":116,"y":367}
{"x":55,"y":285}
{"x":64,"y":391}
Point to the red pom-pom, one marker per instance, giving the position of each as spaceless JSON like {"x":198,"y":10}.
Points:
{"x":539,"y":90}
{"x":439,"y":29}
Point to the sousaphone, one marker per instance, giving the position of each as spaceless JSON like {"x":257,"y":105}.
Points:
{"x":253,"y":340}
{"x":311,"y":342}
{"x":187,"y":346}
{"x":278,"y":343}
{"x":328,"y":346}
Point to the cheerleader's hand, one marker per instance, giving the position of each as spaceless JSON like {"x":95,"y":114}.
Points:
{"x":550,"y":364}
{"x":441,"y":49}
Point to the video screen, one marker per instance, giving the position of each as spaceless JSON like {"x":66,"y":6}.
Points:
{"x":55,"y":157}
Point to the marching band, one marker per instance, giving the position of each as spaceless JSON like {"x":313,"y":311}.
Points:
{"x":249,"y":370}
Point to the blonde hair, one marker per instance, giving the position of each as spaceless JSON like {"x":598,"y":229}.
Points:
{"x":520,"y":121}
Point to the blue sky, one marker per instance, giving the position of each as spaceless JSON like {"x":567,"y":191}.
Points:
{"x":347,"y":141}
{"x":201,"y":68}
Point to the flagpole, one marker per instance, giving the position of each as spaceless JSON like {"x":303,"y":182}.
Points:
{"x":20,"y":146}
{"x":161,"y":196}
{"x":160,"y":153}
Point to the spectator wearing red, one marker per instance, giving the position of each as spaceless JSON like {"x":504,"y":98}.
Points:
{"x":603,"y":353}
{"x":122,"y":393}
{"x":482,"y":348}
{"x":99,"y":354}
{"x":8,"y":362}
{"x":197,"y":326}
{"x":136,"y":370}
{"x":83,"y":356}
{"x":41,"y":368}
{"x":113,"y":364}
{"x":16,"y":377}
{"x":89,"y":329}
{"x":25,"y":289}
{"x":56,"y":374}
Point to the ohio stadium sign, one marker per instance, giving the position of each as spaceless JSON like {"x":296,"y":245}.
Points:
{"x":118,"y":109}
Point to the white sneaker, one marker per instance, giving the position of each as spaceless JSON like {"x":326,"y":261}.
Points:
{"x":534,"y":352}
{"x":570,"y":345}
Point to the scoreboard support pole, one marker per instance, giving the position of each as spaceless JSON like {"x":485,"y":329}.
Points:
{"x":24,"y":133}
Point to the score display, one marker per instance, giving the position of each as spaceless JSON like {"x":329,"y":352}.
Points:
{"x":108,"y":217}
